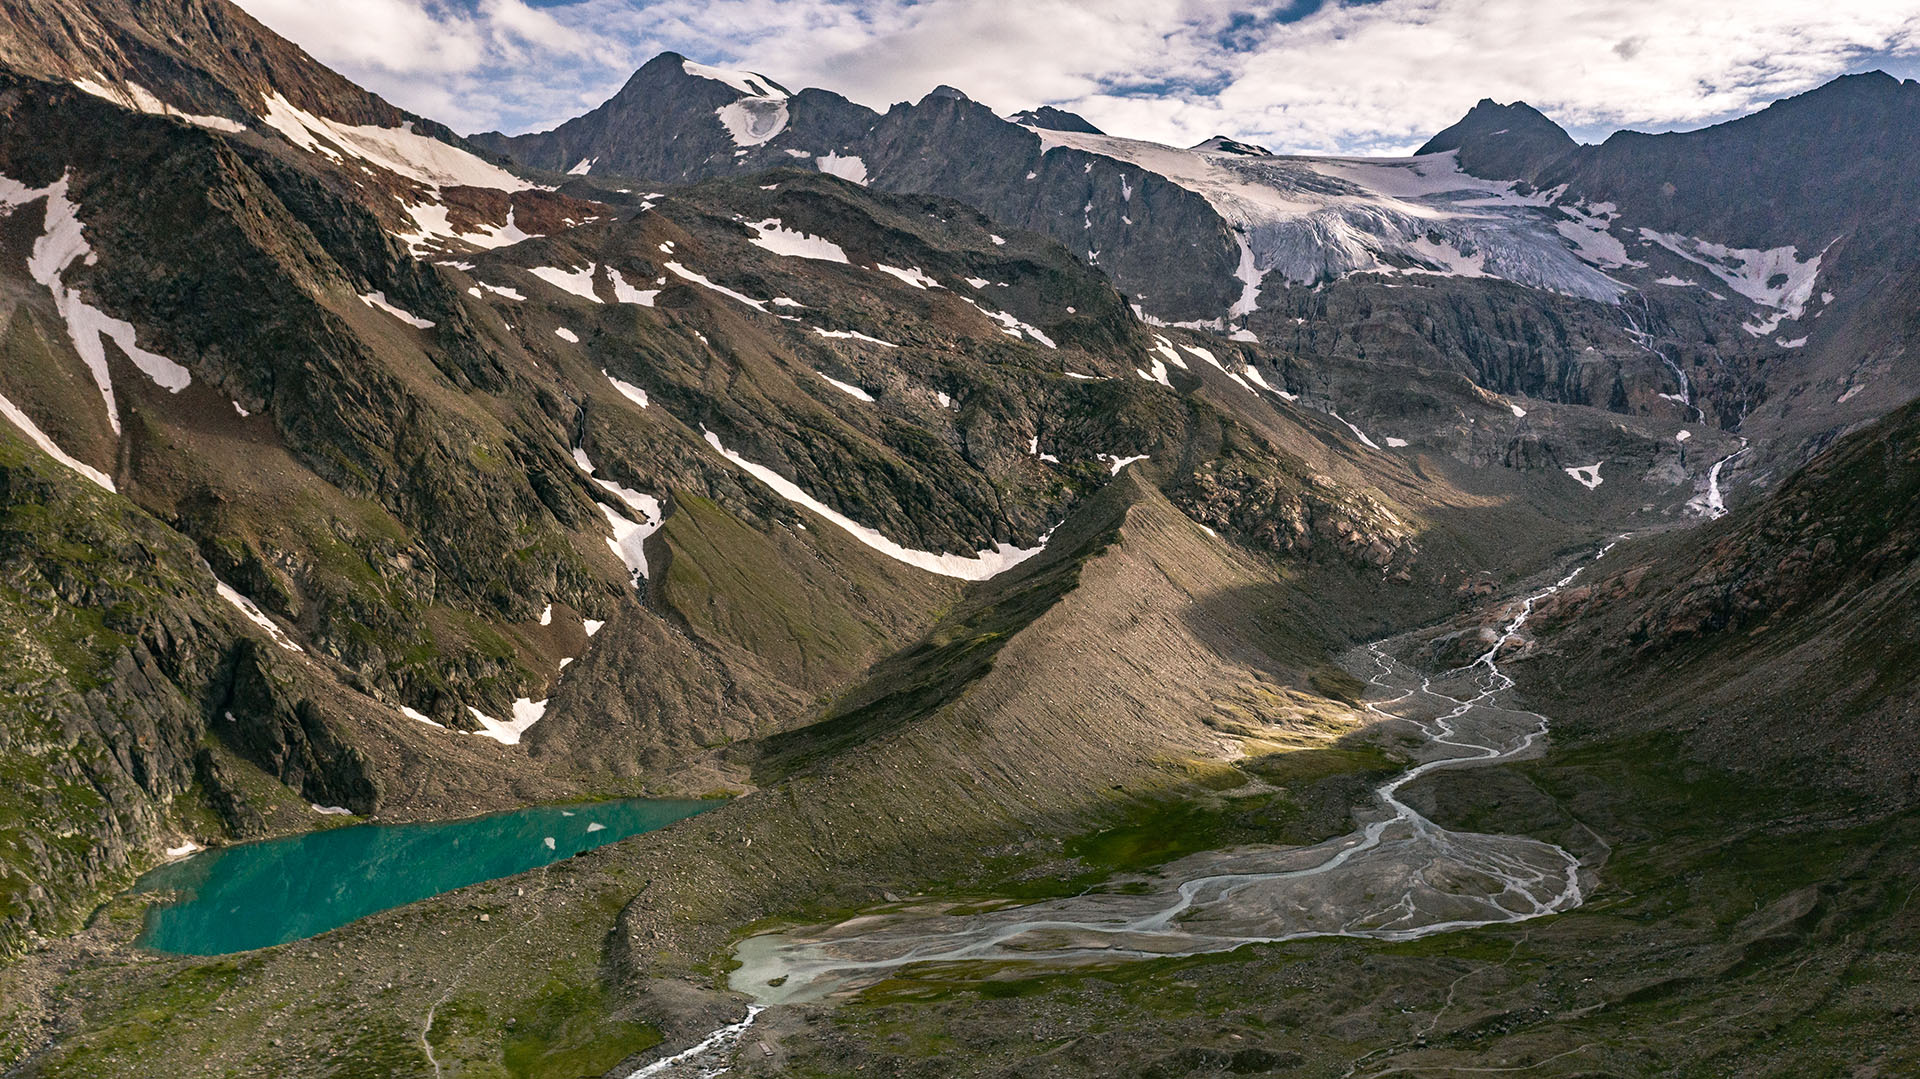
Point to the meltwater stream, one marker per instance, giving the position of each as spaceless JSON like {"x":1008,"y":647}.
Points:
{"x":1399,"y":877}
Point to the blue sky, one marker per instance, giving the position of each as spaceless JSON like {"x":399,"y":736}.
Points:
{"x":1294,"y":75}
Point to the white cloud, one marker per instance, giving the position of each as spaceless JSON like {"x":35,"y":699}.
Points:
{"x":390,"y":35}
{"x":1373,"y":77}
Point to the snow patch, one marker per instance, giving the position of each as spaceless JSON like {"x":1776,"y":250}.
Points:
{"x":1357,"y":432}
{"x":853,"y":335}
{"x":433,"y":224}
{"x":1586,"y":230}
{"x":682,"y":272}
{"x":400,"y":150}
{"x":628,"y":390}
{"x":1207,"y":355}
{"x":525,"y":714}
{"x":62,"y":243}
{"x":751,"y":83}
{"x":582,"y":167}
{"x":254,"y":614}
{"x":629,"y":535}
{"x":134,"y":96}
{"x":1587,"y":476}
{"x":848,"y":388}
{"x":39,"y":438}
{"x":1773,"y":278}
{"x":753,"y":121}
{"x":1260,"y":380}
{"x":567,"y":335}
{"x":575,"y":282}
{"x":378,"y":301}
{"x":978,"y":567}
{"x":1011,"y":326}
{"x":772,"y":236}
{"x":331,"y":811}
{"x":847,"y":168}
{"x":625,"y":293}
{"x":912,"y":276}
{"x":497,"y":290}
{"x":628,"y":542}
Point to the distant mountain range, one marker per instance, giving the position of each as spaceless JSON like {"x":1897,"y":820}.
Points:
{"x":1726,"y":244}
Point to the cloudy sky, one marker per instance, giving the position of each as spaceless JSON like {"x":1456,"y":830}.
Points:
{"x":1295,"y":75}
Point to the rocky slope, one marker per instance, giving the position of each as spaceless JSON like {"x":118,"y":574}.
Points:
{"x":1795,"y":610}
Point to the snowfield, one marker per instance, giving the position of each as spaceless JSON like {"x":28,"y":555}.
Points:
{"x":400,"y":150}
{"x":1309,"y":219}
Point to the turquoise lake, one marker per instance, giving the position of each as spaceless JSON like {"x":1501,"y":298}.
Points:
{"x":259,"y":894}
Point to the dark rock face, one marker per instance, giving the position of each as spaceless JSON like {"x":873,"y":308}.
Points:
{"x":1163,"y":245}
{"x":1802,"y":171}
{"x":290,"y":736}
{"x":1510,"y":142}
{"x":664,"y":125}
{"x":105,"y":660}
{"x":1052,"y":119}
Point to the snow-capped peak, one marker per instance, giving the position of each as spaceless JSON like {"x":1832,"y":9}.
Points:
{"x":1220,"y":144}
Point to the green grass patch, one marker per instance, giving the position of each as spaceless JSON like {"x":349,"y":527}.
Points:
{"x":566,"y":1032}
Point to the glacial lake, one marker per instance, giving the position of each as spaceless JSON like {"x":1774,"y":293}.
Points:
{"x":259,"y":894}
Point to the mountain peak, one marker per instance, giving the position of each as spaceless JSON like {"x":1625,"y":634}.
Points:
{"x":1489,"y":119}
{"x":947,"y":92}
{"x":1507,"y":142}
{"x":1048,"y":118}
{"x":1220,"y":144}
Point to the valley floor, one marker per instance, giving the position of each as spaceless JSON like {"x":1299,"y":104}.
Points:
{"x":1729,"y":927}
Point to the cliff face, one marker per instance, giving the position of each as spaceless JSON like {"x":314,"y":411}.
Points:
{"x":105,"y":665}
